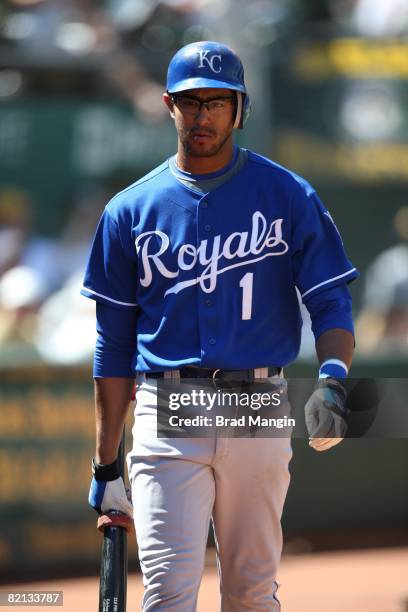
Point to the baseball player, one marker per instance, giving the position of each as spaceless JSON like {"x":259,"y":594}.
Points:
{"x":196,"y":270}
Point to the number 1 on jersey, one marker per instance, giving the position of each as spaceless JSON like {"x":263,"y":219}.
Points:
{"x":246,"y":283}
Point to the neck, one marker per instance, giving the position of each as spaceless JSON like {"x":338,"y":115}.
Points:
{"x":204,"y":165}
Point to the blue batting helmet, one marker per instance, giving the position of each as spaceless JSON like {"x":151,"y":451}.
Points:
{"x":209,"y":64}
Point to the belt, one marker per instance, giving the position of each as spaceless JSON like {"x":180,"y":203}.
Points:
{"x":216,"y":373}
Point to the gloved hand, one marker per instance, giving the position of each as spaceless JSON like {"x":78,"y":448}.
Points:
{"x":326,"y":415}
{"x":108,"y":492}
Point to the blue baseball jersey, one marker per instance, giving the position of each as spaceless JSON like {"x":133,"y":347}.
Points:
{"x":213,"y":276}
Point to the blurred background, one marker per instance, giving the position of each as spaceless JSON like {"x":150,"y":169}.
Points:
{"x":81,"y":117}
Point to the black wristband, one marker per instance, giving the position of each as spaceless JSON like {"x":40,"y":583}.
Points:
{"x":333,"y":383}
{"x":105,"y":472}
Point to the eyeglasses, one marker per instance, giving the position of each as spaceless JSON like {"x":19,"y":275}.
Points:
{"x":190,"y":105}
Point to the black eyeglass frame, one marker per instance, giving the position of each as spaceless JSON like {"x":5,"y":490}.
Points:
{"x":200,"y":100}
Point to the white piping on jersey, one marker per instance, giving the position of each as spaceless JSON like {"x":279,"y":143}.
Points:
{"x":105,"y":297}
{"x":328,"y":281}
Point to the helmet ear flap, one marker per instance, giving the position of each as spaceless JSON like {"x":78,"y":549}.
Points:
{"x":246,"y":111}
{"x":243,"y":110}
{"x":238,"y":112}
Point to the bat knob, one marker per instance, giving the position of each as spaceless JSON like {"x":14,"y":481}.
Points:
{"x":115,"y":519}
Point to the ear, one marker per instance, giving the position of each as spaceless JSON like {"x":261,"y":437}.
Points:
{"x":169,"y":103}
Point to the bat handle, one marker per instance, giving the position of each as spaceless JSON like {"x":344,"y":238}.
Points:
{"x":114,"y":560}
{"x":114,"y":569}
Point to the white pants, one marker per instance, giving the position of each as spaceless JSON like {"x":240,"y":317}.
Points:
{"x":178,"y":485}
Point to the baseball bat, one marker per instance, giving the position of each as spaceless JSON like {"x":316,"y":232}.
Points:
{"x":114,"y":560}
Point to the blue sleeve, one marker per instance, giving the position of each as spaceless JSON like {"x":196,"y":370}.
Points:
{"x":111,"y":273}
{"x":318,"y":256}
{"x":115,"y":351}
{"x":329,"y":309}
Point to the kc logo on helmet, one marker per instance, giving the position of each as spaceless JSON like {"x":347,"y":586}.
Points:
{"x":210,"y":61}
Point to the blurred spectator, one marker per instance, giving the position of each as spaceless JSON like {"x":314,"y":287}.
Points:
{"x":22,"y":286}
{"x":65,"y":331}
{"x":368,"y":18}
{"x":315,"y":11}
{"x":38,"y":266}
{"x":381,"y":18}
{"x":383,"y":323}
{"x":15,"y":216}
{"x":71,"y":249}
{"x":21,"y":293}
{"x":34,"y":23}
{"x":131,"y":41}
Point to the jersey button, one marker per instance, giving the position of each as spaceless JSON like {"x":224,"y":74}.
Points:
{"x":207,"y":228}
{"x":208,"y":302}
{"x":204,"y":204}
{"x":211,"y":341}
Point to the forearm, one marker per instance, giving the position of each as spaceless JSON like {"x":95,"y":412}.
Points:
{"x":112,"y":398}
{"x":335,"y":344}
{"x":332,"y":324}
